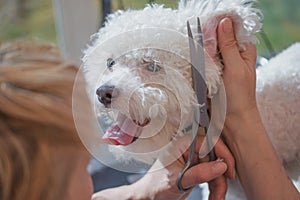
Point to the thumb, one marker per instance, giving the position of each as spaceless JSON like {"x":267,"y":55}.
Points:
{"x":227,"y":43}
{"x":203,"y":172}
{"x":249,"y":55}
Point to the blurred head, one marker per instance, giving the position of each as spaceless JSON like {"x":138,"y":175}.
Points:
{"x":41,"y":156}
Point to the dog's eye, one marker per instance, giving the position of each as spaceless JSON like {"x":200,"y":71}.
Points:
{"x":153,"y":67}
{"x":110,"y":63}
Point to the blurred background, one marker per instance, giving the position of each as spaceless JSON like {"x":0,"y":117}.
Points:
{"x":38,"y":19}
{"x":69,"y":24}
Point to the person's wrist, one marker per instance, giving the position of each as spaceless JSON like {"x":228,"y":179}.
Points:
{"x":236,"y":123}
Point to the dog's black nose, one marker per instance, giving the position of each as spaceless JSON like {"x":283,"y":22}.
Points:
{"x":106,"y":93}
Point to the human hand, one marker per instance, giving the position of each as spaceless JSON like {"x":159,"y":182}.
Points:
{"x":211,"y":172}
{"x":216,"y":182}
{"x":161,"y":183}
{"x":239,"y":75}
{"x":244,"y":128}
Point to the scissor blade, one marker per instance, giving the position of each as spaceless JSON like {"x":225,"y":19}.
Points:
{"x":199,"y":39}
{"x":192,"y":49}
{"x":204,"y":118}
{"x":198,"y":72}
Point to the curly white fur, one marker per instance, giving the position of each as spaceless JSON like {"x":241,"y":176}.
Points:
{"x":246,"y":19}
{"x":156,"y":27}
{"x":159,"y":34}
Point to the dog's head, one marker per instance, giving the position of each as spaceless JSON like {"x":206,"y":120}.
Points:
{"x":139,"y":68}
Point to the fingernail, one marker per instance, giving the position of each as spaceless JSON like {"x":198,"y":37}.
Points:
{"x":226,"y":25}
{"x":219,"y":166}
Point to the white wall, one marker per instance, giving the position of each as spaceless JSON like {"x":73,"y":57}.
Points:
{"x":76,"y":21}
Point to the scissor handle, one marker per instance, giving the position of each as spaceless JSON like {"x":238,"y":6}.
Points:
{"x":180,"y":175}
{"x":212,"y":155}
{"x":189,"y":163}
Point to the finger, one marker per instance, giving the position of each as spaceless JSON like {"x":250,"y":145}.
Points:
{"x":217,"y":188}
{"x":249,"y":55}
{"x":203,"y":172}
{"x":227,"y":43}
{"x":223,"y":152}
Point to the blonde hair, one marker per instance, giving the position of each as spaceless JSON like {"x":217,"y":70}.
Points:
{"x":35,"y":117}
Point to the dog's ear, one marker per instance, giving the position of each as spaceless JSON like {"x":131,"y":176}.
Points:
{"x":245,"y":17}
{"x":209,"y":29}
{"x":243,"y":34}
{"x":210,"y":32}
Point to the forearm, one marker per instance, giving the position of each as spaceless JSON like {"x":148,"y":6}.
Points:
{"x":257,"y":164}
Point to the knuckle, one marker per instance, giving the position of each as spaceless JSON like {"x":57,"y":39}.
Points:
{"x":228,"y":44}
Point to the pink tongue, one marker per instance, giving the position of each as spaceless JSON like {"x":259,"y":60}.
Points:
{"x":122,"y":132}
{"x":116,"y":136}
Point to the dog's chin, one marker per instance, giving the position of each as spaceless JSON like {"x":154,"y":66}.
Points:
{"x":124,"y":131}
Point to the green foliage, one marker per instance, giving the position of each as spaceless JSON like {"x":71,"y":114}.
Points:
{"x":281,"y":23}
{"x":137,"y":4}
{"x":38,"y":23}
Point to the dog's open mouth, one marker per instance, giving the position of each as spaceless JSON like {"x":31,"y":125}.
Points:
{"x":124,"y":131}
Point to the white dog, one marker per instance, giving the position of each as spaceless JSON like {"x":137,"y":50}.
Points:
{"x":139,"y":68}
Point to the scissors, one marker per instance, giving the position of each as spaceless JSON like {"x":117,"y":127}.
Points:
{"x":201,"y":115}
